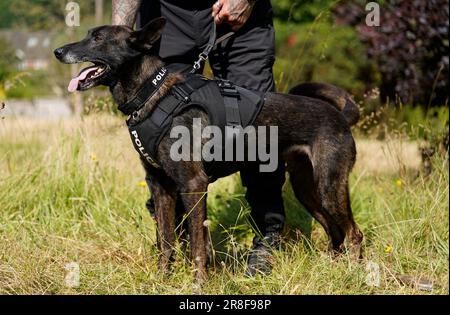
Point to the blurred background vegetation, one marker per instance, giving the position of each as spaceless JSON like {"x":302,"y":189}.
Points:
{"x":404,"y":62}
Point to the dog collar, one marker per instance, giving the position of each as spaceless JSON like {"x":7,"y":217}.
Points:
{"x":146,"y":92}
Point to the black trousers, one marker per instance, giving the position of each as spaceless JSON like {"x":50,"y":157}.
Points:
{"x":246,"y":59}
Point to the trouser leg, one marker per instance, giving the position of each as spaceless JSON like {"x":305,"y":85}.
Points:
{"x":246,"y":59}
{"x":264,"y":195}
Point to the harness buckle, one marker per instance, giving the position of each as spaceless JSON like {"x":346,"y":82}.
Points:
{"x":203,"y":56}
{"x":230,"y":92}
{"x":228,"y":89}
{"x":225,"y":84}
{"x":180,"y":94}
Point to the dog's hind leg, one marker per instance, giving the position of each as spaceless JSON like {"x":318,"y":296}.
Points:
{"x":331,"y":172}
{"x":336,"y":201}
{"x":302,"y":180}
{"x":354,"y":234}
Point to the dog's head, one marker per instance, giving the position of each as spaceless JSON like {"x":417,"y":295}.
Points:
{"x":108,"y":48}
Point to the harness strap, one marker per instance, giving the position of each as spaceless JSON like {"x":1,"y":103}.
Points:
{"x":230,"y":98}
{"x":168,"y":105}
{"x":164,"y":110}
{"x":145,"y":93}
{"x":184,"y":90}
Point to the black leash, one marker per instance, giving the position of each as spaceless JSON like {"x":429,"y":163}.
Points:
{"x":212,"y":42}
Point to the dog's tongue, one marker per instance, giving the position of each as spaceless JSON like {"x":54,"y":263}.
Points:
{"x":73,"y":85}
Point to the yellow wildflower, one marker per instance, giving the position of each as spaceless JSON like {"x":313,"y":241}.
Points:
{"x":142,"y":183}
{"x":389,"y":249}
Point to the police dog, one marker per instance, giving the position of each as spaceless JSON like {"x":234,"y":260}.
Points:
{"x":315,"y":140}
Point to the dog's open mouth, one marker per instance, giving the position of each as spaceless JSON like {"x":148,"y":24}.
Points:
{"x":88,"y":77}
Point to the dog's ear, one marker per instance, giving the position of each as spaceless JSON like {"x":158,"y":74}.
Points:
{"x":144,"y":39}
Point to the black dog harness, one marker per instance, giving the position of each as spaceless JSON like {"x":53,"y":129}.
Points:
{"x":225,"y":104}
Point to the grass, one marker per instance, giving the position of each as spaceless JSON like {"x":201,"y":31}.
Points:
{"x":72,"y":191}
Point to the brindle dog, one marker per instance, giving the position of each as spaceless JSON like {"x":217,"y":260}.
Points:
{"x":315,"y":140}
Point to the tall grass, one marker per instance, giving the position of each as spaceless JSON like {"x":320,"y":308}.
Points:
{"x":72,"y":191}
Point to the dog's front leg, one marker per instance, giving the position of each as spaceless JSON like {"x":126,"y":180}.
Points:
{"x":165,"y":199}
{"x":194,"y":199}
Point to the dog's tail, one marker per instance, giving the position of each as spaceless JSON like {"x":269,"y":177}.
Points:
{"x":332,"y":95}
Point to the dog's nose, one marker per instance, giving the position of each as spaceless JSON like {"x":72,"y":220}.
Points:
{"x":58,"y":53}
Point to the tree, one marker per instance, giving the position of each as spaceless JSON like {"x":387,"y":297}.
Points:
{"x":36,"y":14}
{"x":411,"y":47}
{"x":8,"y":61}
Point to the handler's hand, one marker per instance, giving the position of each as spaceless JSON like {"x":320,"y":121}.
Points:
{"x":233,"y":12}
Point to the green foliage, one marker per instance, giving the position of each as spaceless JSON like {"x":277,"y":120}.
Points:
{"x":29,"y":85}
{"x":430,"y":125}
{"x":300,"y":11}
{"x":6,"y":16}
{"x":322,"y":52}
{"x":8,"y":60}
{"x":35,"y":14}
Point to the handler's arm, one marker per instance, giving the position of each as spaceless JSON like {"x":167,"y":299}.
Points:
{"x":124,"y":12}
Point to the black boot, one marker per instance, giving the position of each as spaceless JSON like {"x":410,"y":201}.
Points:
{"x":260,"y":257}
{"x":264,"y":195}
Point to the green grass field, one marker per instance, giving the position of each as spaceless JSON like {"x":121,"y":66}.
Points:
{"x":72,"y":191}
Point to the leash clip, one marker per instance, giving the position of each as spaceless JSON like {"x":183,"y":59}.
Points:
{"x":201,"y":58}
{"x":197,"y":64}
